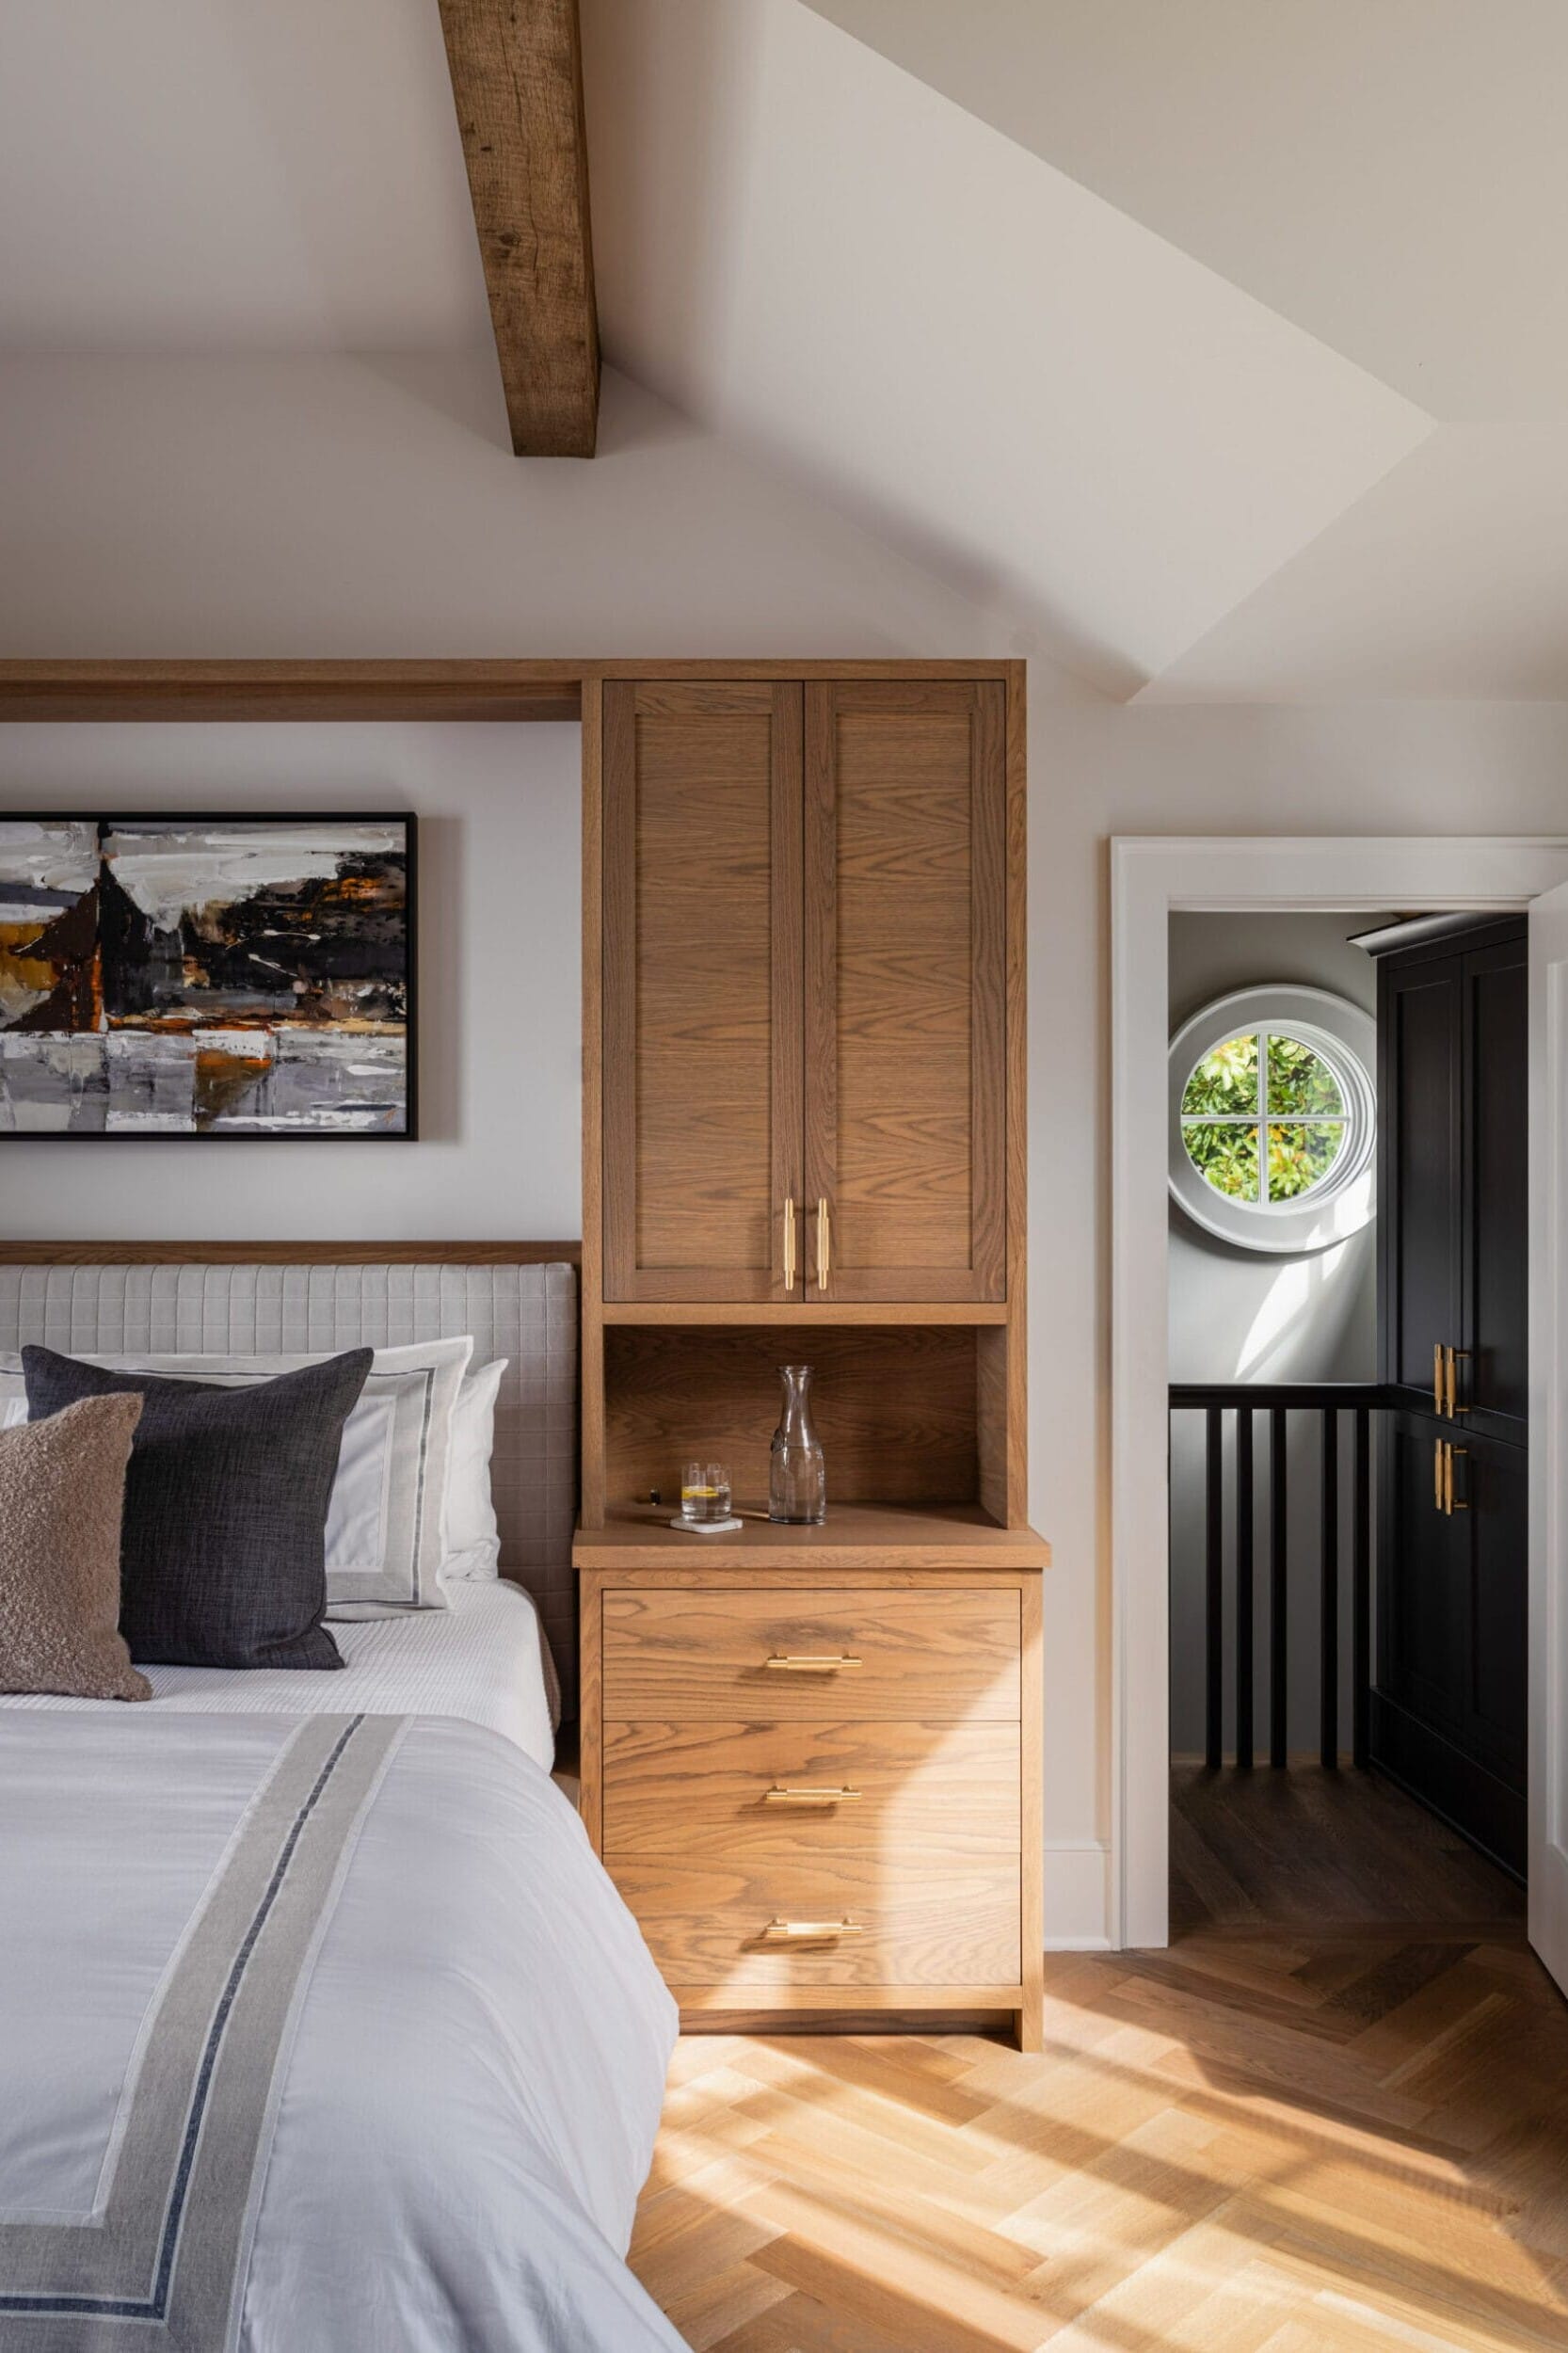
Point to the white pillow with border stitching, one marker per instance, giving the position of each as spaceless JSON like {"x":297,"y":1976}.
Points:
{"x":386,"y":1522}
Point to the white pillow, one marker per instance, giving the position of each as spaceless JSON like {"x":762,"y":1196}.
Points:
{"x":386,"y":1519}
{"x":473,"y":1538}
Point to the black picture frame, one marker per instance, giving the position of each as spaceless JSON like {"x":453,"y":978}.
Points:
{"x":409,"y":1132}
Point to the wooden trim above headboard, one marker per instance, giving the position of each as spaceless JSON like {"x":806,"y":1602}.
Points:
{"x":289,"y":1253}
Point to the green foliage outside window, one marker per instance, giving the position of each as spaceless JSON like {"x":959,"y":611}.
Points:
{"x":1236,"y":1141}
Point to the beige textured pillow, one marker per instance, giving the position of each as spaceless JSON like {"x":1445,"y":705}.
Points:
{"x":62,"y":1486}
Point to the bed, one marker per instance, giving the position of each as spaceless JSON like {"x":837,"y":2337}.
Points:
{"x":325,"y":2032}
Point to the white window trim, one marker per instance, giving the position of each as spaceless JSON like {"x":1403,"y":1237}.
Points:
{"x":1346,"y":1037}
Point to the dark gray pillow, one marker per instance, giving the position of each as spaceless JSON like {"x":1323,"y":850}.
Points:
{"x":223,"y":1546}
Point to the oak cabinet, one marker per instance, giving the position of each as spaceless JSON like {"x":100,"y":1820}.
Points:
{"x":804,"y":975}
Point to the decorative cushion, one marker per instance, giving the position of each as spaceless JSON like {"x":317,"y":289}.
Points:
{"x":385,"y":1541}
{"x":473,"y":1538}
{"x":223,"y":1557}
{"x":62,"y":1486}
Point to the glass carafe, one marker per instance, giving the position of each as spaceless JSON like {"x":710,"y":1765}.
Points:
{"x":797,"y":1479}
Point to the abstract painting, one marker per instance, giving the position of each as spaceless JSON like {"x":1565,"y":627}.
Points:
{"x":206,"y":976}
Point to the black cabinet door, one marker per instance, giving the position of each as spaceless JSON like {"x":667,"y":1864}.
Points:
{"x":1448,"y":1710}
{"x":1449,"y":1707}
{"x":1420,"y":1098}
{"x":1493,"y":1371}
{"x":1422,"y":1577}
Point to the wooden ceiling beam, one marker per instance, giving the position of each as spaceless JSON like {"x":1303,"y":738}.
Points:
{"x":516,"y":77}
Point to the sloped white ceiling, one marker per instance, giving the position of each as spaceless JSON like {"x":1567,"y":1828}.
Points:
{"x":1391,"y":174}
{"x":827,"y":258}
{"x":1127,"y":320}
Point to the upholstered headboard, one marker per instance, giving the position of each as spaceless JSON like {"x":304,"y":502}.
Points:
{"x":526,"y":1313}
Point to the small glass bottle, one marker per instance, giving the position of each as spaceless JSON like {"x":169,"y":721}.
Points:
{"x":797,"y":1477}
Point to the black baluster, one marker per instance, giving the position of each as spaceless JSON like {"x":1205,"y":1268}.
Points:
{"x":1361,"y":1591}
{"x":1243,"y":1585}
{"x":1328,"y":1692}
{"x":1214,"y":1590}
{"x":1279,"y":1638}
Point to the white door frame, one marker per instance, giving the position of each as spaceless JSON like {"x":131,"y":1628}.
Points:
{"x":1151,"y":878}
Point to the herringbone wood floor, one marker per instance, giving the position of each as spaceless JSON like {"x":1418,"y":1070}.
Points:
{"x":1332,"y":2119}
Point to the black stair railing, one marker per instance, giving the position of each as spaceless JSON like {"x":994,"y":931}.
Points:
{"x":1331,"y":1403}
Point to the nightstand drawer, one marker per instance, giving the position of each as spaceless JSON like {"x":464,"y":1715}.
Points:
{"x":770,"y":1655}
{"x":853,"y":1922}
{"x":941,"y":1794}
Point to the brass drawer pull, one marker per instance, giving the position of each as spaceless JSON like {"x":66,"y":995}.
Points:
{"x":809,"y":1932}
{"x":1457,"y":1356}
{"x":782,"y":1664}
{"x":781,"y":1795}
{"x":789,"y":1245}
{"x":1438,"y":1371}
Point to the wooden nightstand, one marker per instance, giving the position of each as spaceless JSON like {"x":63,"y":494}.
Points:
{"x":811,"y":1761}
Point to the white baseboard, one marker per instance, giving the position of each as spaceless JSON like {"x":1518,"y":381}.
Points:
{"x":1076,"y":1892}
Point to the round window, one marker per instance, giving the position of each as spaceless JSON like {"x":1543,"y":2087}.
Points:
{"x":1272,"y":1109}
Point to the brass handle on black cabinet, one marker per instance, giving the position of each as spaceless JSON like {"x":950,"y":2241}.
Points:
{"x":790,"y":1245}
{"x":1457,"y":1356}
{"x":1438,"y":1377}
{"x":1452,"y":1502}
{"x":823,"y":1251}
{"x":1437,"y":1445}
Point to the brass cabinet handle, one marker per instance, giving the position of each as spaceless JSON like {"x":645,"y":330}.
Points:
{"x":783,"y":1663}
{"x":1437,"y":1473}
{"x":790,"y":1245}
{"x":1457,"y":1356}
{"x":809,"y":1932}
{"x":780,"y":1794}
{"x":1438,"y":1376}
{"x":1455,"y":1503}
{"x":823,"y":1244}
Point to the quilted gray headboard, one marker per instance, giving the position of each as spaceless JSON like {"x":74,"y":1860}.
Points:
{"x":527,"y":1314}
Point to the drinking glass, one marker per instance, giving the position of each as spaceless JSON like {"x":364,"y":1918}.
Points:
{"x":704,"y":1492}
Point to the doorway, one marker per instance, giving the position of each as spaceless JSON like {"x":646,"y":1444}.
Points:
{"x":1348,"y":1320}
{"x":1151,"y":880}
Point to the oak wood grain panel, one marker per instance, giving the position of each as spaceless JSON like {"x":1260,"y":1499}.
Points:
{"x":701,"y":1021}
{"x":590,"y":1420}
{"x":1015,"y":1506}
{"x":905,"y":944}
{"x":941,"y":1794}
{"x":202,"y":691}
{"x":590,"y":1706}
{"x":935,"y":1656}
{"x":705,"y":1924}
{"x":1032,"y":1767}
{"x":895,"y":1410}
{"x":517,"y":80}
{"x":882,"y":1544}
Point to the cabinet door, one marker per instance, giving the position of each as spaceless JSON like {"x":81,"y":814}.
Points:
{"x":906,"y":981}
{"x":1423,"y":1580}
{"x":1494,"y":1378}
{"x":1419,"y":1050}
{"x":1448,"y":1715}
{"x":702,"y":988}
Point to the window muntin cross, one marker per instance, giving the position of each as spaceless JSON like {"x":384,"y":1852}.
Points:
{"x":1264,"y":1117}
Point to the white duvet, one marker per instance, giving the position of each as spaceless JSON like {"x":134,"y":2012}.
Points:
{"x":453,"y":2128}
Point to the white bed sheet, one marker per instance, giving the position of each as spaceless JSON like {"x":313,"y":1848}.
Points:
{"x":479,"y":1660}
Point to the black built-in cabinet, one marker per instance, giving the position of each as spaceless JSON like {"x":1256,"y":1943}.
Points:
{"x":1449,"y":1706}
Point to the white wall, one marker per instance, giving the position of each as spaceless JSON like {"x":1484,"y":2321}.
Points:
{"x":324,"y":509}
{"x":1239,"y":1315}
